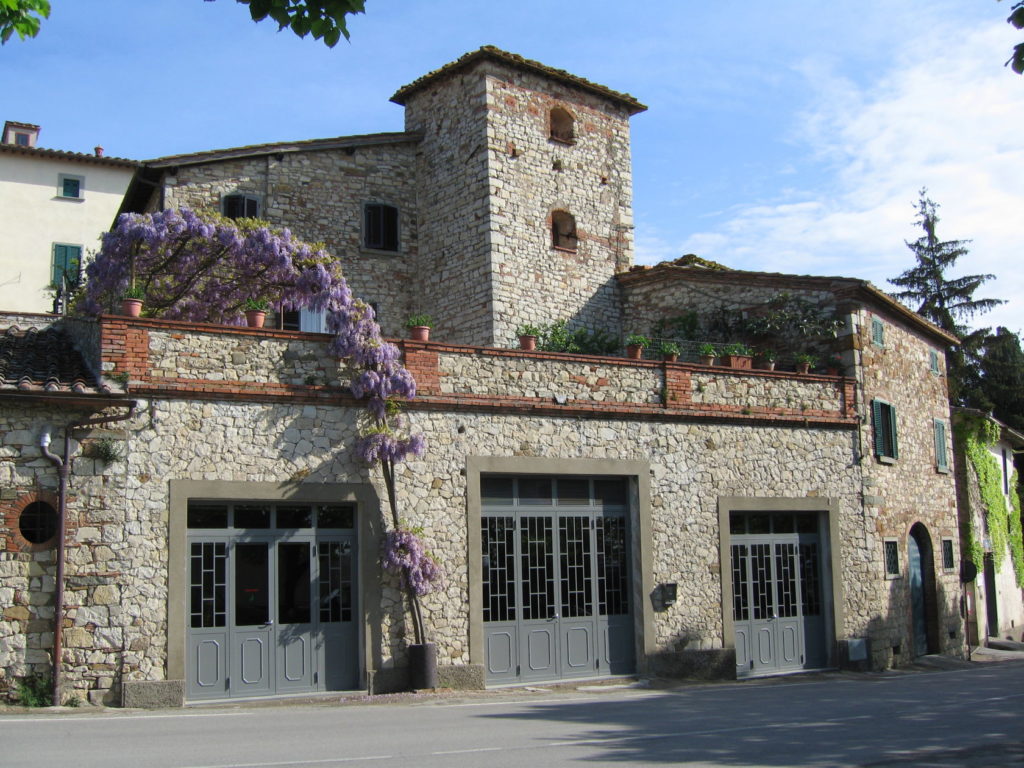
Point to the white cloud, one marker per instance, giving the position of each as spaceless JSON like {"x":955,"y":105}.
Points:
{"x":946,"y":116}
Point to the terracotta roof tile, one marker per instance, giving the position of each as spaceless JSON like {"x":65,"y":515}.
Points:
{"x":44,"y":360}
{"x":519,"y":62}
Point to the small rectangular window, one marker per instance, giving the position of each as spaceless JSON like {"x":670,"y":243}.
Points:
{"x":241,"y":206}
{"x":891,"y":550}
{"x":1006,"y":473}
{"x":941,"y":455}
{"x":948,"y":563}
{"x":877,"y":332}
{"x":883,"y":421}
{"x":67,"y":265}
{"x":70,"y":186}
{"x":380,"y":227}
{"x":933,"y":361}
{"x":21,"y":139}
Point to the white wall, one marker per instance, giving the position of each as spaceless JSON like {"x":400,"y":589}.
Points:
{"x":33,"y":217}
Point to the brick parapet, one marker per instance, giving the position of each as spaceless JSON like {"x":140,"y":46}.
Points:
{"x":210,"y":362}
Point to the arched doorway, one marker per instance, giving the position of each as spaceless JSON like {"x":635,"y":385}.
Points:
{"x":922,"y":591}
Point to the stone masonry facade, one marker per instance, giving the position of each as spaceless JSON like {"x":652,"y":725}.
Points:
{"x":513,"y":188}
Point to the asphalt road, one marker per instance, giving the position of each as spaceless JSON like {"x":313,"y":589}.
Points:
{"x":962,"y":717}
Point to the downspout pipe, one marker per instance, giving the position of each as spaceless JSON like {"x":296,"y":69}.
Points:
{"x":63,"y":469}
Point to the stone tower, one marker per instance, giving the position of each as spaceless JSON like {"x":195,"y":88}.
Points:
{"x":525,"y":196}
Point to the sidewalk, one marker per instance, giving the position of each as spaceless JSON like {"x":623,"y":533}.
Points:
{"x":924,"y":664}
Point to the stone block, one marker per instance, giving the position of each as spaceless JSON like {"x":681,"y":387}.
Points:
{"x":106,"y":594}
{"x":468,"y":677}
{"x":152,"y":694}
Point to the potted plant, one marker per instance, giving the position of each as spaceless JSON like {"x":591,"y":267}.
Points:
{"x":419,"y":327}
{"x":834,"y":366}
{"x":131,"y":301}
{"x":528,"y":333}
{"x":737,"y":355}
{"x":707,"y":354}
{"x":765,"y":359}
{"x":255,"y":312}
{"x":669,"y":351}
{"x":635,"y":344}
{"x":804,"y":361}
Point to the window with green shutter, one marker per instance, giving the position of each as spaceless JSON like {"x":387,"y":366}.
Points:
{"x":941,"y":456}
{"x":67,"y":264}
{"x":933,"y":361}
{"x":877,"y":332}
{"x":70,"y":186}
{"x":883,"y":422}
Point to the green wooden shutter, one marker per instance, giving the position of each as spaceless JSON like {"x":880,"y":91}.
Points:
{"x":67,"y":263}
{"x":877,"y":332}
{"x":941,"y":459}
{"x":877,"y":426}
{"x":892,"y":432}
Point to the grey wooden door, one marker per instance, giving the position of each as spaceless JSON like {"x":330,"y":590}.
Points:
{"x":272,"y":600}
{"x":556,"y":581}
{"x":778,"y":615}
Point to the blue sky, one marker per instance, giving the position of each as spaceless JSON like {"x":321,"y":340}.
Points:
{"x":792,"y":136}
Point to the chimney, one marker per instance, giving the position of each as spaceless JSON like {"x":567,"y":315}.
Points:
{"x":98,"y":151}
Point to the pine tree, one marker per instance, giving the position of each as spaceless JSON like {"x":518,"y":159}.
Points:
{"x":947,"y":302}
{"x":1002,"y":377}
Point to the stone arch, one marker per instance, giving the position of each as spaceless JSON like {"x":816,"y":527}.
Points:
{"x":924,"y":619}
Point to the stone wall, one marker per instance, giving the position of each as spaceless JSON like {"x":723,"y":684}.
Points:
{"x":319,"y":195}
{"x":532,"y":175}
{"x":256,"y":425}
{"x":113,"y":561}
{"x":452,"y":180}
{"x":909,"y":490}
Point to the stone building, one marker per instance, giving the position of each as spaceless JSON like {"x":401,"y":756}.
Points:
{"x":990,"y":523}
{"x":594,"y":515}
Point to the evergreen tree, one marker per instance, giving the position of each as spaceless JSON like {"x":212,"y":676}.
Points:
{"x":947,"y":302}
{"x":1002,"y":377}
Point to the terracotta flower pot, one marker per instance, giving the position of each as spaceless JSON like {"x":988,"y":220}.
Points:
{"x":707,"y":359}
{"x":528,"y":343}
{"x":803,"y":367}
{"x":131,"y":307}
{"x":737,"y":361}
{"x":634,"y":351}
{"x":420,"y":333}
{"x":670,"y":357}
{"x":766,"y":365}
{"x":255,"y":318}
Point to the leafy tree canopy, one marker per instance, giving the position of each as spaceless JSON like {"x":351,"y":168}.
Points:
{"x":324,"y":19}
{"x":23,"y":17}
{"x":1016,"y":18}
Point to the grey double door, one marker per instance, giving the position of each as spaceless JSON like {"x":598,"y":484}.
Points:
{"x":778,"y":609}
{"x":271,"y":608}
{"x":557,"y":595}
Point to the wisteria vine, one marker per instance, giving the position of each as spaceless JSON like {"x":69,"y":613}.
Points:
{"x":201,"y":267}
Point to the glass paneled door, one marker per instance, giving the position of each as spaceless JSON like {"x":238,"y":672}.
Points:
{"x":271,"y":600}
{"x":556,"y":588}
{"x":778,"y":613}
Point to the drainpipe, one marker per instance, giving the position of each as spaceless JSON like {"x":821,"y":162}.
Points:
{"x":63,"y":469}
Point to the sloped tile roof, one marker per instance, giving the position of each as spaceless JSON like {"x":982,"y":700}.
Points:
{"x":43,"y":360}
{"x":519,"y":62}
{"x":60,"y":154}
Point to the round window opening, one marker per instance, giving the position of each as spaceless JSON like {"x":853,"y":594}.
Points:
{"x":38,"y":522}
